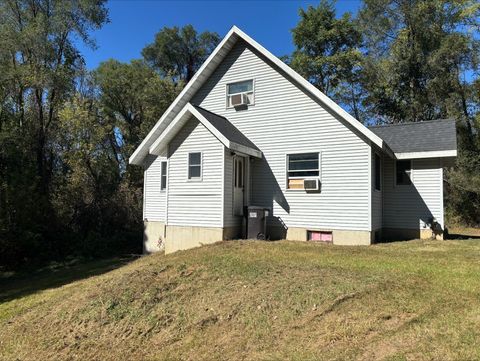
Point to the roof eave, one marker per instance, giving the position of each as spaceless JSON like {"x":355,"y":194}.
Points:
{"x":427,"y":154}
{"x":141,"y":151}
{"x":245,"y":150}
{"x":181,"y":118}
{"x":145,"y":145}
{"x":312,"y":89}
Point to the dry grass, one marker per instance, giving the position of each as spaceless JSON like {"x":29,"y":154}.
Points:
{"x":417,"y":300}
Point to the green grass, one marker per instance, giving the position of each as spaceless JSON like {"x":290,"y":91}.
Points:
{"x":417,"y":300}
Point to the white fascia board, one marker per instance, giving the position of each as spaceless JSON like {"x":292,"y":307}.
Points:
{"x":245,"y":150}
{"x":432,"y":154}
{"x":142,"y":151}
{"x":224,"y":140}
{"x":165,"y":136}
{"x":179,"y":121}
{"x":209,"y":126}
{"x":312,"y":89}
{"x":388,"y":150}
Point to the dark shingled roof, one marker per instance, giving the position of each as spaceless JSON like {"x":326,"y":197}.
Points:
{"x":226,"y":128}
{"x":434,"y":135}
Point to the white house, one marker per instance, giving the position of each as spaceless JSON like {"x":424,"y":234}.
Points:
{"x":248,"y":130}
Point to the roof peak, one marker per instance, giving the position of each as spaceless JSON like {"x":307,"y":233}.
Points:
{"x":210,"y":65}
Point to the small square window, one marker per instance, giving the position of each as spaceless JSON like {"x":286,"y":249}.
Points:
{"x":240,"y":93}
{"x":194,"y":165}
{"x":403,"y":172}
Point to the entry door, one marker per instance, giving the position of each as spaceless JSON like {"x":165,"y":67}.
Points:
{"x":238,"y":185}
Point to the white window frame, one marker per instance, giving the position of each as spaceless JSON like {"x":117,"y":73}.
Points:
{"x":375,"y":155}
{"x":162,"y":190}
{"x":227,"y":95}
{"x":395,"y":173}
{"x":195,"y":179}
{"x":307,"y":177}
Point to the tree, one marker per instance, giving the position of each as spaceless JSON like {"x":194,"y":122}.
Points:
{"x":39,"y":66}
{"x":179,"y":53}
{"x":132,"y":97}
{"x":38,"y":38}
{"x":422,"y":59}
{"x":100,"y":195}
{"x":328,"y":53}
{"x":418,"y":55}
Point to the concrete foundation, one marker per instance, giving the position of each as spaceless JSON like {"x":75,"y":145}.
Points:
{"x":186,"y":237}
{"x":157,"y":236}
{"x":353,"y":238}
{"x":153,"y":236}
{"x":401,"y":234}
{"x":340,"y":237}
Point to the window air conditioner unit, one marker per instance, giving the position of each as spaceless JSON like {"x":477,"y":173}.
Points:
{"x":311,"y":184}
{"x":239,"y":100}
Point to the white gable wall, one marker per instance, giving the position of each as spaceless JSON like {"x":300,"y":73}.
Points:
{"x":192,"y":202}
{"x":411,"y":206}
{"x":286,"y":120}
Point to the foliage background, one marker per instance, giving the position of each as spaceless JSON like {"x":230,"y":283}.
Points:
{"x":66,"y":133}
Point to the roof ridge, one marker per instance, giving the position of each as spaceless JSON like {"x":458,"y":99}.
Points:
{"x":211,"y":64}
{"x":411,"y":123}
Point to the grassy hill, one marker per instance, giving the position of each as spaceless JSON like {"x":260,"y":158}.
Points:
{"x":253,"y":301}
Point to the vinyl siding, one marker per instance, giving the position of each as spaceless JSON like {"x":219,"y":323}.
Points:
{"x":192,"y":202}
{"x":377,"y":202}
{"x":411,"y":206}
{"x":286,"y":120}
{"x":154,"y":198}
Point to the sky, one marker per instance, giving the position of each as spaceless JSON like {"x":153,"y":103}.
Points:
{"x":133,"y":24}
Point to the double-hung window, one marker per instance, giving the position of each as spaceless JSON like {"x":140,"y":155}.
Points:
{"x":195,"y":166}
{"x":403,"y":172}
{"x":241,"y":92}
{"x":163,"y":176}
{"x":302,"y":166}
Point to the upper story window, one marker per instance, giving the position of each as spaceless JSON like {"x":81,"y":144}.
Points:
{"x":240,"y":93}
{"x":403,"y":172}
{"x":163,"y":176}
{"x":378,"y":172}
{"x":195,"y":166}
{"x":302,"y":166}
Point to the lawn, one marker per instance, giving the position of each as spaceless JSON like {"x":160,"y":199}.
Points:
{"x":244,"y":300}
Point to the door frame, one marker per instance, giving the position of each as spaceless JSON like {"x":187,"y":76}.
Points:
{"x":246,"y":181}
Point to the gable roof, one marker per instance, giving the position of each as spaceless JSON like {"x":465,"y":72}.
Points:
{"x":208,"y":68}
{"x":219,"y":126}
{"x":226,"y":128}
{"x":434,"y":138}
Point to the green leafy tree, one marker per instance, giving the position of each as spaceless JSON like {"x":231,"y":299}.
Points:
{"x":132,"y":97}
{"x":39,"y":66}
{"x":418,"y":55}
{"x":422,"y":60}
{"x":328,"y":53}
{"x":179,"y":52}
{"x":101,"y":195}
